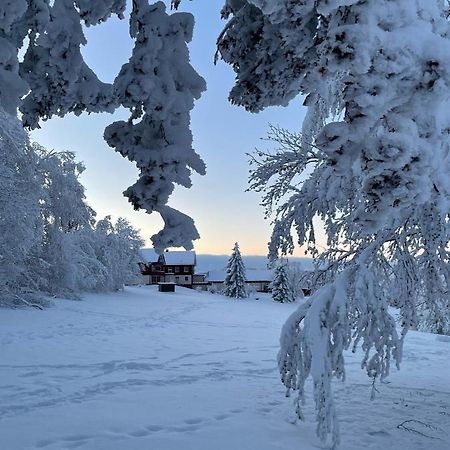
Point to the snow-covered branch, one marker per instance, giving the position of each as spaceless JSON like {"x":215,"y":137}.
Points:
{"x":371,"y":163}
{"x":158,"y":85}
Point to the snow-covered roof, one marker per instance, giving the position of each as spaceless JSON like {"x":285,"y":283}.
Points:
{"x":253,"y":275}
{"x":175,"y":258}
{"x":148,"y":255}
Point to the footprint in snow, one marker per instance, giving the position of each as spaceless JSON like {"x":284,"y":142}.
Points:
{"x":236,"y":411}
{"x":139,"y":433}
{"x":379,"y":433}
{"x":44,"y":443}
{"x":154,"y":428}
{"x":76,"y":437}
{"x":184,"y":429}
{"x":274,"y":403}
{"x":76,"y":444}
{"x":265,"y":410}
{"x":193,"y":421}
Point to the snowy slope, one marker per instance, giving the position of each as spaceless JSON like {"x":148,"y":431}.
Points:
{"x":142,"y":370}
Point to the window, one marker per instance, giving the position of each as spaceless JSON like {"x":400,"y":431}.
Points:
{"x":186,"y":278}
{"x":186,"y":269}
{"x":177,"y":279}
{"x":170,"y":269}
{"x":177,"y":269}
{"x":157,"y":268}
{"x":155,"y":280}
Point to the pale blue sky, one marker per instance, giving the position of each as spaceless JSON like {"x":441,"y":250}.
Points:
{"x":224,"y":213}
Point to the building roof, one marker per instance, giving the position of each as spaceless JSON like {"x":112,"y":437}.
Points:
{"x":148,"y":255}
{"x":253,"y":275}
{"x":176,"y":258}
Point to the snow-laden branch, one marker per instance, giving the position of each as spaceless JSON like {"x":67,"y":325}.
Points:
{"x":372,"y":162}
{"x":158,"y":85}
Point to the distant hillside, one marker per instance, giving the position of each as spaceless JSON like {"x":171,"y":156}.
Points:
{"x":218,"y":262}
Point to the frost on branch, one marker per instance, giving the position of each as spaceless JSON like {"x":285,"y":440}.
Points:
{"x":59,"y":79}
{"x":372,"y":163}
{"x":100,"y":10}
{"x":268,"y":44}
{"x":12,"y":87}
{"x":159,"y":87}
{"x":348,"y":312}
{"x":179,"y":230}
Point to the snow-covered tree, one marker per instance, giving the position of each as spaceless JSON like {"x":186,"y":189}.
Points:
{"x":20,"y":218}
{"x":371,"y":162}
{"x":158,"y":85}
{"x":64,"y":211}
{"x":298,"y":278}
{"x":116,"y":247}
{"x":235,"y":280}
{"x":49,"y":241}
{"x":281,"y":288}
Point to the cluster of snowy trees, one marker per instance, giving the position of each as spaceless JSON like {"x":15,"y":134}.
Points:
{"x":284,"y":287}
{"x":50,"y":242}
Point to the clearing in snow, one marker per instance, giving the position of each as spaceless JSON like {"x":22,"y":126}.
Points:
{"x":140,"y":370}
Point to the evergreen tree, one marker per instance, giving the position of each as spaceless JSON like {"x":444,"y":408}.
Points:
{"x":235,"y":280}
{"x":281,"y":288}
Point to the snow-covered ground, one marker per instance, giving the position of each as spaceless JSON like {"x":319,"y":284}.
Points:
{"x":141,"y":370}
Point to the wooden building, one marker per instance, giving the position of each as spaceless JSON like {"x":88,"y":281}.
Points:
{"x":170,"y":267}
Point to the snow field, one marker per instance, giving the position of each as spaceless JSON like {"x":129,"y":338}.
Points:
{"x":142,"y":370}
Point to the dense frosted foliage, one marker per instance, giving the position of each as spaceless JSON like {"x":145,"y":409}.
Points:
{"x":268,"y":44}
{"x":298,"y":278}
{"x":235,"y":280}
{"x":372,"y":162}
{"x":50,"y":243}
{"x":281,"y":288}
{"x":20,"y":218}
{"x":158,"y":85}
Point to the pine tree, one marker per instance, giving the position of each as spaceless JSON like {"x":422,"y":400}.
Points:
{"x":281,"y":288}
{"x":235,"y":281}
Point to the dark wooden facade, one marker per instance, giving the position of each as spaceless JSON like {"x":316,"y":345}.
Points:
{"x":162,"y":272}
